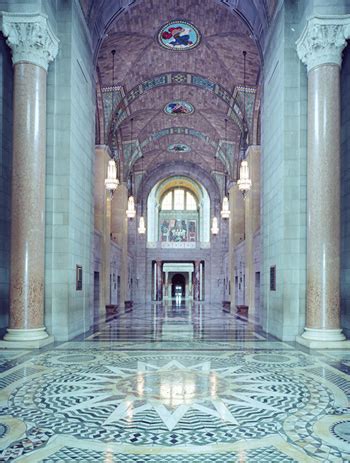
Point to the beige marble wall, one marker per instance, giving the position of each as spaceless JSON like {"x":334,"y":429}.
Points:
{"x":28,"y":198}
{"x":102,"y":221}
{"x":119,"y":229}
{"x":323,"y":225}
{"x":252,"y":224}
{"x":236,"y":234}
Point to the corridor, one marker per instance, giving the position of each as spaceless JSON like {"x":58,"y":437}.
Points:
{"x":175,"y":383}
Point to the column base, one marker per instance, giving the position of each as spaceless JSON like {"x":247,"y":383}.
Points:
{"x":323,"y":339}
{"x":26,"y":338}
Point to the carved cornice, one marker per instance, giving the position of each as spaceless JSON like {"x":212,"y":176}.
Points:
{"x":30,"y":38}
{"x":323,"y":40}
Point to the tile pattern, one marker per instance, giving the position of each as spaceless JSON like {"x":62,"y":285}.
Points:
{"x":140,"y":401}
{"x":264,"y":455}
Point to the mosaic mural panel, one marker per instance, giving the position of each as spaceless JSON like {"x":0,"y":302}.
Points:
{"x":178,"y":35}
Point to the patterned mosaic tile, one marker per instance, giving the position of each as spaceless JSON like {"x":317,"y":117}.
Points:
{"x":261,"y":455}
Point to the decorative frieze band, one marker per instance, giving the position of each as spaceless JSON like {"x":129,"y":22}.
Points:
{"x":323,"y":40}
{"x":30,"y":37}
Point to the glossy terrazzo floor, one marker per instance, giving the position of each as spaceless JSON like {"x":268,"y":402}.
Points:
{"x":174,"y":384}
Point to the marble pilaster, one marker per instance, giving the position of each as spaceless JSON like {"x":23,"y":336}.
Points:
{"x":102,"y":219}
{"x":236,"y":235}
{"x":320,"y":48}
{"x":33,"y":46}
{"x":119,"y":228}
{"x":252,"y":224}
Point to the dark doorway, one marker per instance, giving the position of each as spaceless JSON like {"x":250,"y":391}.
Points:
{"x":178,"y":285}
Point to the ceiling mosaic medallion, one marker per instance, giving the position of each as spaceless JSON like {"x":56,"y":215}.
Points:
{"x":179,"y":35}
{"x":178,"y":107}
{"x":179,"y":148}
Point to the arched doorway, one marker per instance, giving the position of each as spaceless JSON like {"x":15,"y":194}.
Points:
{"x":178,"y":285}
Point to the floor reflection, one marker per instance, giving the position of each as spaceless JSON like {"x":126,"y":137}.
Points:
{"x":179,"y":320}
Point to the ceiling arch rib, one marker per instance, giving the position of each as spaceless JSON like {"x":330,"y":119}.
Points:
{"x":231,"y":99}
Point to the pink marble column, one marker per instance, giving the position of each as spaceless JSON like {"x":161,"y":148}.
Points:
{"x":196,"y":281}
{"x":320,"y":48}
{"x":159,"y":281}
{"x":33,"y":47}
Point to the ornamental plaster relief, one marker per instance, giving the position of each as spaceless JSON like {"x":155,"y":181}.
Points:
{"x":323,"y":40}
{"x":30,"y":38}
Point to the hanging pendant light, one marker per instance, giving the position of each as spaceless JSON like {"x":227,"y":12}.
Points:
{"x":215,"y":226}
{"x":142,"y":228}
{"x":131,"y":212}
{"x":225,"y":211}
{"x":244,"y":183}
{"x":111,"y":182}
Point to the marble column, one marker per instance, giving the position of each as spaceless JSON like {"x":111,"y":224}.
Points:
{"x":33,"y":46}
{"x":119,"y":228}
{"x":102,"y":219}
{"x":196,"y":281}
{"x":236,"y":235}
{"x":159,"y":281}
{"x":252,"y":224}
{"x":320,"y":48}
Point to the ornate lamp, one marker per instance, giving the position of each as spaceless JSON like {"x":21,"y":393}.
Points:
{"x":131,"y":212}
{"x":142,"y":228}
{"x":225,"y":211}
{"x":214,"y":226}
{"x":111,"y":182}
{"x":244,"y":183}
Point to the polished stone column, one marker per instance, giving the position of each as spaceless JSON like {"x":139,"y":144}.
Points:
{"x":33,"y":46}
{"x":196,"y":281}
{"x":252,"y":224}
{"x":119,"y":227}
{"x":320,"y":48}
{"x":102,"y":218}
{"x":159,"y":281}
{"x":236,"y":235}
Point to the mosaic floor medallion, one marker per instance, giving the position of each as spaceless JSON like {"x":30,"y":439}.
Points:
{"x":178,"y":107}
{"x":179,"y":35}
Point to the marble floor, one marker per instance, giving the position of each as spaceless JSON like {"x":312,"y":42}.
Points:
{"x":175,"y":383}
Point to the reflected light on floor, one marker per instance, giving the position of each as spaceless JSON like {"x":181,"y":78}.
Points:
{"x":108,"y":457}
{"x":213,"y":385}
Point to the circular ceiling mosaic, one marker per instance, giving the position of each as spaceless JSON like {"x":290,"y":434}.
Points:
{"x":179,"y":35}
{"x":179,"y":148}
{"x":178,"y":107}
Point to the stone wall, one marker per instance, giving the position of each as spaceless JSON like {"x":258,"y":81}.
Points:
{"x":115,"y":274}
{"x":345,"y":193}
{"x":6,"y":114}
{"x":284,"y":176}
{"x":69,"y":179}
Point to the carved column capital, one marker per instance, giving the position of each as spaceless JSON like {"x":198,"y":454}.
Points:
{"x":30,"y":37}
{"x":323,"y":40}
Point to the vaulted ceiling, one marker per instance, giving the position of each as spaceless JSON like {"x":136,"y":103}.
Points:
{"x":136,"y":84}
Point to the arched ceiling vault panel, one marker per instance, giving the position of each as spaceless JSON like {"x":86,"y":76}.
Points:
{"x":100,"y":14}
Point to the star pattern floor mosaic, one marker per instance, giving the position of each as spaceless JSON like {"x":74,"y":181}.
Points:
{"x":245,"y":398}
